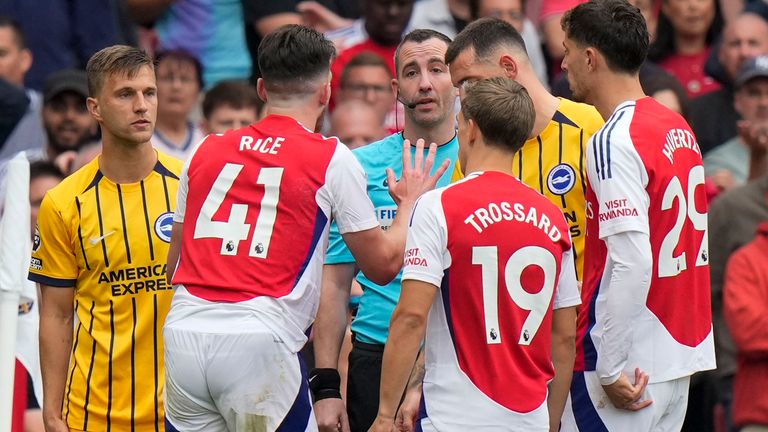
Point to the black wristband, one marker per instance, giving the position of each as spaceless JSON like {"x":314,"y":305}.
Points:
{"x":325,"y":383}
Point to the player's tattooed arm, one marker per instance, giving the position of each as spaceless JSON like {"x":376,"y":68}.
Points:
{"x":409,"y":409}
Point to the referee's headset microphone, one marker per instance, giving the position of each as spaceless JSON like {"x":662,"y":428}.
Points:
{"x":409,"y":105}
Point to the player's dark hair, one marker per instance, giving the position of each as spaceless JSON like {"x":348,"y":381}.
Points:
{"x":235,"y":94}
{"x":41,"y":168}
{"x":418,"y":36}
{"x":365,"y":58}
{"x":115,"y":60}
{"x":613,"y":27}
{"x":485,"y":36}
{"x":502,"y":110}
{"x":18,"y":32}
{"x":292,"y":57}
{"x":180,"y":57}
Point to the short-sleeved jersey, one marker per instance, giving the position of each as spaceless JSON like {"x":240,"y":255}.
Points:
{"x":371,"y":324}
{"x":500,"y":254}
{"x":110,"y":242}
{"x":256,"y":205}
{"x":646,"y":175}
{"x":554,"y":163}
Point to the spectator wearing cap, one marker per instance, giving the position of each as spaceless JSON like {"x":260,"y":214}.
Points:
{"x":744,"y":156}
{"x":66,"y":120}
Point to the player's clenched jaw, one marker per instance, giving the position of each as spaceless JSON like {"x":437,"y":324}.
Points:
{"x":126,"y":106}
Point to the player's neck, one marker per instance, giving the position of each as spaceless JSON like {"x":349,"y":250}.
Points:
{"x":545,"y":105}
{"x":304,"y":115}
{"x":439,"y":134}
{"x":614,"y":90}
{"x":485,"y":158}
{"x":126,"y":163}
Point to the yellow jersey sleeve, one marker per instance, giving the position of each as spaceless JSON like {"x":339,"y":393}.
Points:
{"x":457,"y":173}
{"x":53,"y":260}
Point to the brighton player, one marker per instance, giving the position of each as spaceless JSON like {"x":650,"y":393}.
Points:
{"x":553,"y":159}
{"x":249,"y":236}
{"x":646,"y":323}
{"x":487,"y":261}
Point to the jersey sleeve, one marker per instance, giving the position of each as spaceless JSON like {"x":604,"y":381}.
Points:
{"x":426,"y":250}
{"x":618,"y":177}
{"x":350,"y":205}
{"x":567,"y":292}
{"x":53,"y":261}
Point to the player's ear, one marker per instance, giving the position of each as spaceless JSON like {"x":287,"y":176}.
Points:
{"x":509,"y":64}
{"x":591,"y":57}
{"x":473,"y":132}
{"x":93,"y":108}
{"x":261,"y":90}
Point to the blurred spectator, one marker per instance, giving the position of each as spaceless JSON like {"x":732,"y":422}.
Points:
{"x":549,"y":21}
{"x":712,"y":116}
{"x":746,"y":312}
{"x":15,"y":57}
{"x":179,"y":83}
{"x":21,"y":122}
{"x":367,"y":77}
{"x":67,"y":122}
{"x":733,"y":220}
{"x":263,"y":16}
{"x":229,"y":105}
{"x":666,"y":89}
{"x":513,"y":12}
{"x":383,"y":22}
{"x":729,"y":163}
{"x":446,"y":16}
{"x":685,"y":34}
{"x":213,"y":31}
{"x":356,"y":124}
{"x":87,"y":153}
{"x":63,"y":34}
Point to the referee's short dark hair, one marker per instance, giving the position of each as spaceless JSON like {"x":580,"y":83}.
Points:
{"x":502,"y":110}
{"x":418,"y":36}
{"x":292,"y":57}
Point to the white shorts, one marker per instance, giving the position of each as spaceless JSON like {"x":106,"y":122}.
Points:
{"x":234,"y":382}
{"x":588,"y":408}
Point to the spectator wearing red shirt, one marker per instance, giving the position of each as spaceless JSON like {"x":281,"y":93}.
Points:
{"x":746,"y":313}
{"x":384,"y":21}
{"x":684,"y":37}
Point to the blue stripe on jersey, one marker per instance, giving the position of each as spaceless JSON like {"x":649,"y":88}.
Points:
{"x":587,"y":418}
{"x":603,"y":137}
{"x":445,"y":288}
{"x":590,"y":353}
{"x":595,"y":142}
{"x":607,"y":169}
{"x":169,"y":427}
{"x":298,"y":416}
{"x":320,"y":221}
{"x":422,"y":412}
